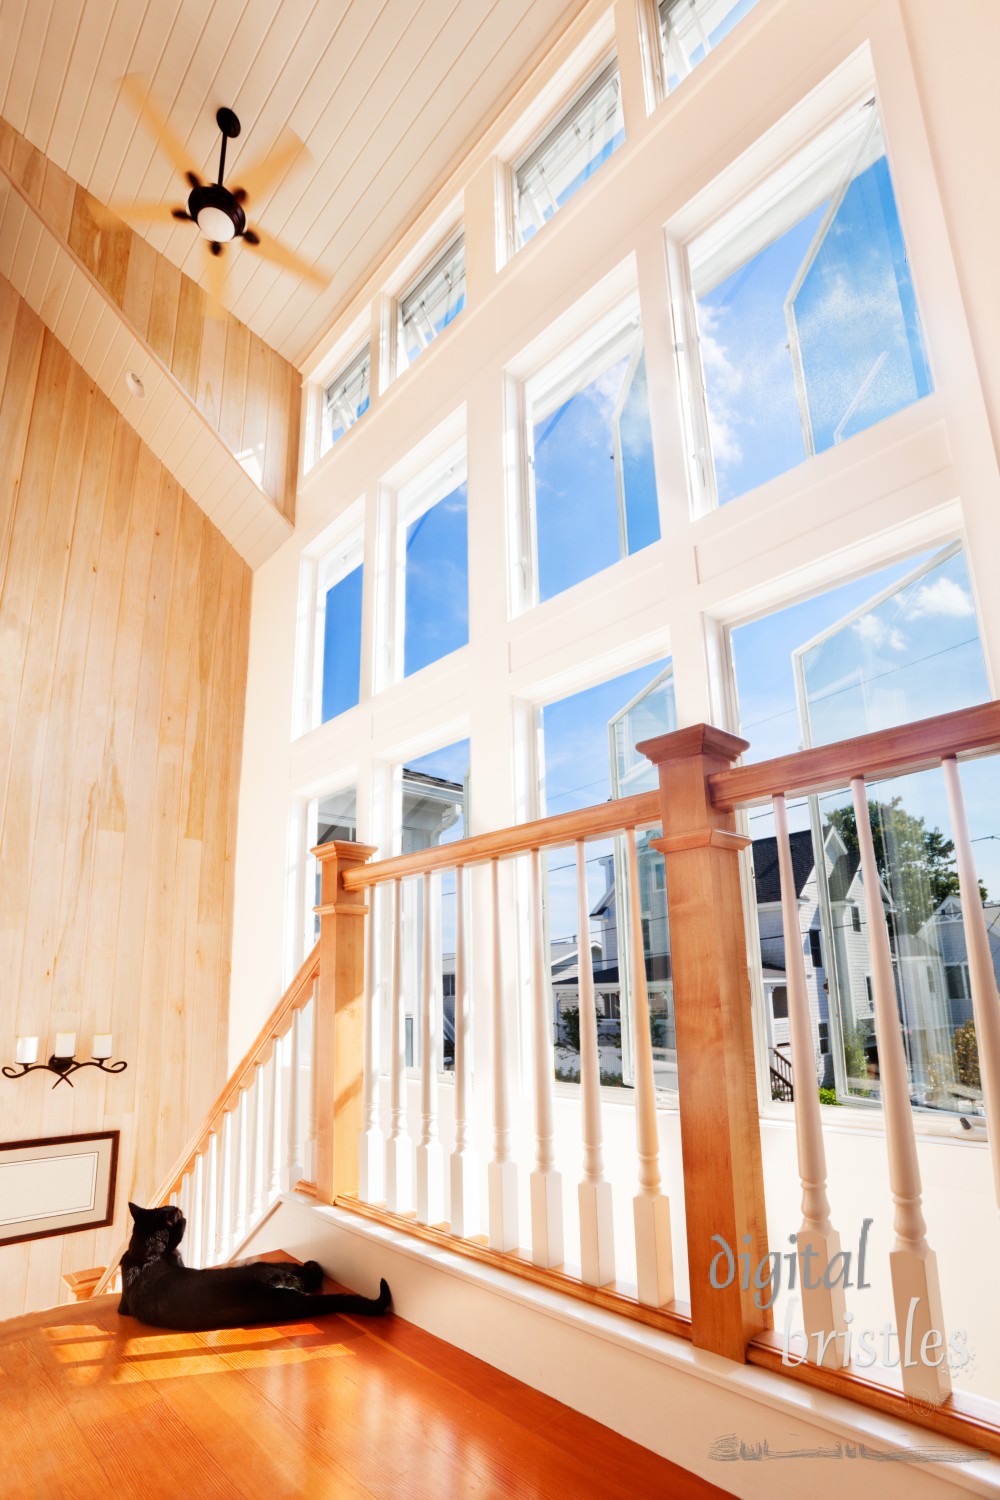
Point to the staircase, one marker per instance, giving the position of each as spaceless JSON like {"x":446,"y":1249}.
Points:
{"x":314,"y":1148}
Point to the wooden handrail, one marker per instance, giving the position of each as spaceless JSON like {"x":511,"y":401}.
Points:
{"x":887,"y":752}
{"x":273,"y":1029}
{"x":544,"y":833}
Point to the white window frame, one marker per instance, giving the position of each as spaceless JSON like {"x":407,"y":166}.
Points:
{"x":406,"y":505}
{"x":563,"y":375}
{"x":806,"y":145}
{"x":334,"y":554}
{"x":341,"y":376}
{"x":597,"y":77}
{"x":424,"y":277}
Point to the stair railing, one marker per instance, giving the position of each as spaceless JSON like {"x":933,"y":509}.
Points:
{"x":258,"y":1138}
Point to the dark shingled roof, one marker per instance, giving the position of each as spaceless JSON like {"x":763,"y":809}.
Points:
{"x":767,"y":881}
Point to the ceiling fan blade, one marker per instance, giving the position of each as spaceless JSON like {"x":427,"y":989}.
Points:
{"x":137,"y":92}
{"x":271,"y":250}
{"x":214,"y":278}
{"x":255,"y":179}
{"x":149,"y":212}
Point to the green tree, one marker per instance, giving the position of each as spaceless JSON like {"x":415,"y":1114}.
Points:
{"x":966,"y":1050}
{"x":916,"y":863}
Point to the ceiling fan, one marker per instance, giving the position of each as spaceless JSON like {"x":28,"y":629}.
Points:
{"x":218,"y":211}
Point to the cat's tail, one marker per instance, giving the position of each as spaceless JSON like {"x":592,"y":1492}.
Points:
{"x":349,"y":1302}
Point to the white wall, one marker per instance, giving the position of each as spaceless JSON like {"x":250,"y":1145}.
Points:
{"x":925,"y":476}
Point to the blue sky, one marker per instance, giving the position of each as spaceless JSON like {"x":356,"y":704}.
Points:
{"x":857,"y":325}
{"x":576,"y":495}
{"x":436,"y":605}
{"x":342,"y":645}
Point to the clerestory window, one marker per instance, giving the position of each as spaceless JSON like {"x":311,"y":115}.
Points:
{"x":689,"y":29}
{"x":433,"y":301}
{"x":346,"y":398}
{"x":581,"y":140}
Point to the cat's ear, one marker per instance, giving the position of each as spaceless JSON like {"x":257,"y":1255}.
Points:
{"x":136,"y":1211}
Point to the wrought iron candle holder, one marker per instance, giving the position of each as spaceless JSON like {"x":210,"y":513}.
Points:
{"x":62,"y":1062}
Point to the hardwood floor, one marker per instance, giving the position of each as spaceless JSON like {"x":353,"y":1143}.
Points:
{"x":95,"y":1405}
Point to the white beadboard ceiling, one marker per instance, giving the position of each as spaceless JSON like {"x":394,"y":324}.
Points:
{"x":387,"y":94}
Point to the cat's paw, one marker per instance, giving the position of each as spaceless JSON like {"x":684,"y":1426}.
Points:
{"x":384,"y":1296}
{"x":312,"y":1276}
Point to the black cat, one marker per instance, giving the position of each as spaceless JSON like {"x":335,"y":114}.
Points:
{"x":158,"y":1288}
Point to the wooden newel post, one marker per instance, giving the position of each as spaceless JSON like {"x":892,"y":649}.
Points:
{"x":720,"y":1134}
{"x":339,"y":1051}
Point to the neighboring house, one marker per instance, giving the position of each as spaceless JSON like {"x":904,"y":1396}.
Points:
{"x":945,"y":933}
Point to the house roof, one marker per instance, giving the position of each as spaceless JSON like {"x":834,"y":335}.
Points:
{"x":767,"y":881}
{"x":843,"y":873}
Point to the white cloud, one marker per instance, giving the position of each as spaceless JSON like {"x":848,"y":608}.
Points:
{"x":942,"y":597}
{"x":725,"y":382}
{"x":874,"y":632}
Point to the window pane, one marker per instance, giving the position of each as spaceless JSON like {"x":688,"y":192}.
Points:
{"x":334,"y":816}
{"x":342,"y":645}
{"x":437,"y":582}
{"x":689,"y":29}
{"x":429,"y":306}
{"x":435,"y":810}
{"x":807,"y":320}
{"x":592,"y":464}
{"x":587,"y":757}
{"x":560,"y":163}
{"x":346,"y":399}
{"x":897,"y":646}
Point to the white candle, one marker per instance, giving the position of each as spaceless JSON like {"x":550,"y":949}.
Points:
{"x":102,"y":1044}
{"x":65,"y":1044}
{"x":27,"y":1049}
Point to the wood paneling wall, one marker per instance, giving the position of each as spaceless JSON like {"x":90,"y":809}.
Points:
{"x":243,"y":389}
{"x":123,"y":630}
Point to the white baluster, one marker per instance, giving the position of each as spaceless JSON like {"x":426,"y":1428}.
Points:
{"x":653,"y":1250}
{"x":184,"y":1204}
{"x":398,"y":1158}
{"x":429,"y":1160}
{"x":982,"y":979}
{"x":211,"y":1200}
{"x":276,"y":1124}
{"x":817,"y":1242}
{"x":224,"y":1219}
{"x":916,"y":1290}
{"x":257,"y":1149}
{"x":196,"y":1216}
{"x":545,"y":1181}
{"x":293,"y":1152}
{"x":309,"y":1011}
{"x":502,"y":1170}
{"x":597,"y":1237}
{"x":371,"y":1144}
{"x":240,"y":1154}
{"x":464,"y":1161}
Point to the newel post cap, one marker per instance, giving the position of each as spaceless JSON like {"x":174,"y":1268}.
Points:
{"x":697,"y":739}
{"x":345,"y":850}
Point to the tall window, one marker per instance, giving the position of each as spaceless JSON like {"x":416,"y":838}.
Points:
{"x":431,"y":303}
{"x":806,"y":315}
{"x":689,"y":29}
{"x":592,"y":487}
{"x":899,"y":645}
{"x":586,"y":756}
{"x":433,"y":541}
{"x":346,"y":398}
{"x":434,"y":793}
{"x":341,"y":577}
{"x":569,"y":152}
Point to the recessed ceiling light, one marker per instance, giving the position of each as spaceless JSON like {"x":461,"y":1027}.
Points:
{"x":135,"y":385}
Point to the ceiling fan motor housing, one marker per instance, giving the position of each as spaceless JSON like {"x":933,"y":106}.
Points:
{"x":217,"y":213}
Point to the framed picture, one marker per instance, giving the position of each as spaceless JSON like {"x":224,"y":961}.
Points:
{"x":59,"y":1185}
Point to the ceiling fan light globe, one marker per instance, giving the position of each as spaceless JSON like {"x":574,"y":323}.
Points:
{"x":215,"y":224}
